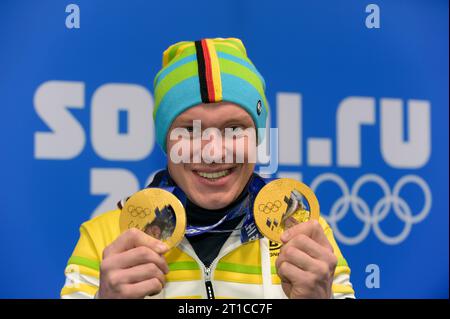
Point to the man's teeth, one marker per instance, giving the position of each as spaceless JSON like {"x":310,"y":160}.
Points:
{"x":214,"y":174}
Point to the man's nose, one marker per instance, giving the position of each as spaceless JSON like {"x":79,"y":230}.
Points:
{"x":213,"y":146}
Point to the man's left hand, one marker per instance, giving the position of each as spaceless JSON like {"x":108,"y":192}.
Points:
{"x":306,"y":263}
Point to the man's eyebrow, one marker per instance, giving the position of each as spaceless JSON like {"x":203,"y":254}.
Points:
{"x":185,"y":120}
{"x":237,"y":120}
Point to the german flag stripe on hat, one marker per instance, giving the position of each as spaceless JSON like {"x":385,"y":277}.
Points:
{"x":208,"y":71}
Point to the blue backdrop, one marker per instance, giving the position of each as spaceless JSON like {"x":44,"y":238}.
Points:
{"x":359,"y":94}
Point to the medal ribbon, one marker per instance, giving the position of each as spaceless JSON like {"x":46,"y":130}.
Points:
{"x":238,"y":211}
{"x":249,"y":231}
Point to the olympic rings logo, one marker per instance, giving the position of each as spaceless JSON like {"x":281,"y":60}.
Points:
{"x":270,"y":207}
{"x":350,"y":200}
{"x":138,"y":211}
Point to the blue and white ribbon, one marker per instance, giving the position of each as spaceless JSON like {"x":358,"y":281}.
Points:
{"x":249,"y":231}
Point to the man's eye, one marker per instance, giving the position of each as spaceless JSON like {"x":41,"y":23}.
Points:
{"x":236,"y":128}
{"x":190,"y":129}
{"x":235,"y":131}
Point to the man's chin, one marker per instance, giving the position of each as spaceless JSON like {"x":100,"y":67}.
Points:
{"x":214,"y":193}
{"x":212,"y":202}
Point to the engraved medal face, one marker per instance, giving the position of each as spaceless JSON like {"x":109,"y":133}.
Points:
{"x":281,"y":204}
{"x":156,"y":212}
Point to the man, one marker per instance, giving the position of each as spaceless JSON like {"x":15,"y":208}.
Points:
{"x":212,"y":81}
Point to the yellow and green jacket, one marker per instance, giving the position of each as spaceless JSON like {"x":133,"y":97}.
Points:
{"x":241,"y":270}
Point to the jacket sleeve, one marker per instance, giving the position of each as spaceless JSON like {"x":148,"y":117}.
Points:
{"x":342,"y":287}
{"x":83,"y":268}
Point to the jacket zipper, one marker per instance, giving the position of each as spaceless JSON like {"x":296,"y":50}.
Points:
{"x":208,"y":284}
{"x":208,"y":270}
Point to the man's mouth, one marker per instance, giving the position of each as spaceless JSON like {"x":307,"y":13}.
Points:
{"x":214,"y":175}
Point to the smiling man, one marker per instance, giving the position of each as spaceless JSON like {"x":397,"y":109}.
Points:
{"x":211,"y":82}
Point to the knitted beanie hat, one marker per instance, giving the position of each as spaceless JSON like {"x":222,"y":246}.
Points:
{"x":206,"y":71}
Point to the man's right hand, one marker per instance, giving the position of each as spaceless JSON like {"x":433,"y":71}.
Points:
{"x":133,"y":266}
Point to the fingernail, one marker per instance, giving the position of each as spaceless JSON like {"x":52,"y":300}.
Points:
{"x":162,"y":247}
{"x":285,"y":236}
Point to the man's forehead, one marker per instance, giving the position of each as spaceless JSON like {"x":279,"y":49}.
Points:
{"x":215,"y":114}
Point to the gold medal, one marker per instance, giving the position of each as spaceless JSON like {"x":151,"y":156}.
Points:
{"x":279,"y":205}
{"x":156,"y":212}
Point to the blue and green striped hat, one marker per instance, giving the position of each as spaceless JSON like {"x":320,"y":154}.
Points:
{"x":206,"y":71}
